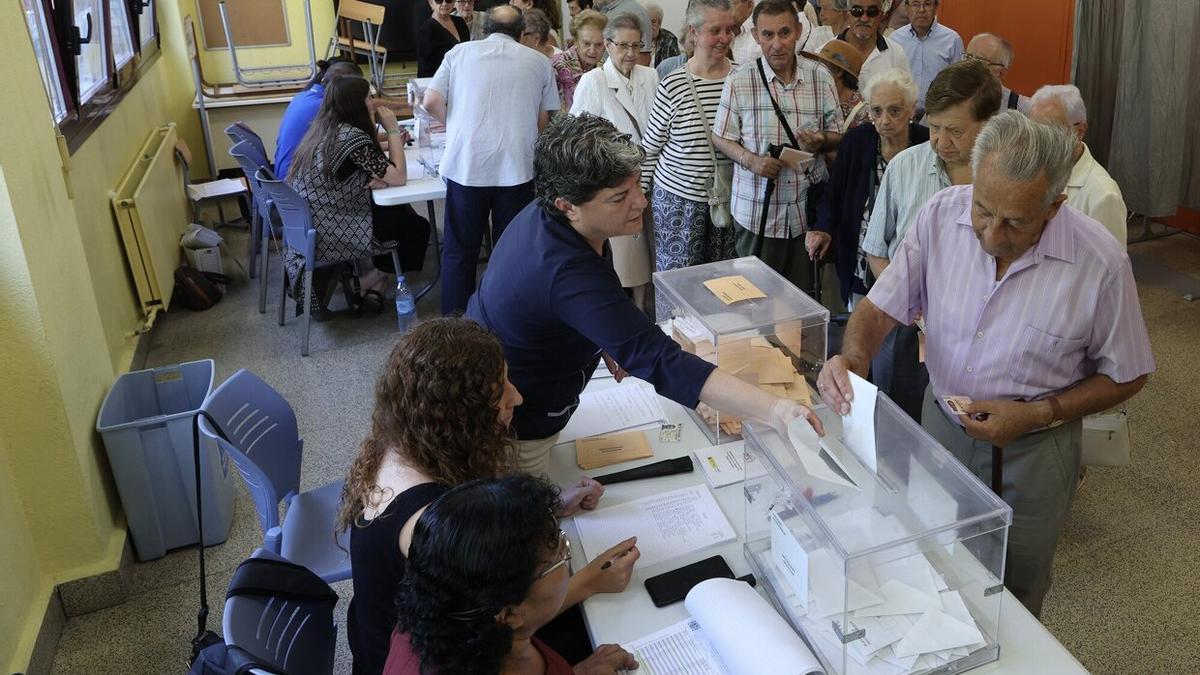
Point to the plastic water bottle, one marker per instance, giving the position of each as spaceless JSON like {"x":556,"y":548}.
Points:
{"x":406,"y":305}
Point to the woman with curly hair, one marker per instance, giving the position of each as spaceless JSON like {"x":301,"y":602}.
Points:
{"x":442,"y":411}
{"x":489,"y":566}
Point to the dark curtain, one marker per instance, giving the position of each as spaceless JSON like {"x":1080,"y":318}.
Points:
{"x":1137,"y":63}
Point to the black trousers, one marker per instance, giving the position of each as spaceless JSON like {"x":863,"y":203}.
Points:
{"x":410,"y":231}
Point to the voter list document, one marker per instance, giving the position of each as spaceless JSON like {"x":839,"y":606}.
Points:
{"x":680,"y":649}
{"x":667,"y":525}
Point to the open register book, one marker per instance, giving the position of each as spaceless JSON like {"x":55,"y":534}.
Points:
{"x":731,"y":631}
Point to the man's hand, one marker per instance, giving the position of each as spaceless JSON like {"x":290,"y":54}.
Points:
{"x":606,"y":660}
{"x":817,"y":243}
{"x":597,"y":578}
{"x":811,"y":140}
{"x":784,"y":411}
{"x":834,"y":383}
{"x":583,"y":494}
{"x":767,"y":167}
{"x":617,"y":371}
{"x":1002,"y":422}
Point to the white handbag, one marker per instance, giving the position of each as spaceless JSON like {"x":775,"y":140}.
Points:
{"x":1106,"y":438}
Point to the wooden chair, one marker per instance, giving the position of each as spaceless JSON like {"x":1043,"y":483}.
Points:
{"x":369,"y":18}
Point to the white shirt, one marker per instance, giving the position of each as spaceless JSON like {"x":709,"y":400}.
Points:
{"x":745,"y":48}
{"x":892,"y":56}
{"x":494,"y":90}
{"x":624,"y":101}
{"x":1091,"y":190}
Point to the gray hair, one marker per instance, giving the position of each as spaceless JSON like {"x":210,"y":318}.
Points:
{"x":538,"y":23}
{"x":696,"y":10}
{"x":577,"y":156}
{"x":1005,"y":46}
{"x":898,"y":78}
{"x":840,"y":5}
{"x":1023,"y":150}
{"x":1069,"y":96}
{"x":623,"y":21}
{"x":652,"y":7}
{"x":494,"y":22}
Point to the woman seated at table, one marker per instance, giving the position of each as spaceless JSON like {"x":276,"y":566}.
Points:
{"x":862,"y":157}
{"x":442,"y":411}
{"x":334,"y":169}
{"x":489,"y":567}
{"x":537,"y":34}
{"x":569,"y":66}
{"x":437,"y":35}
{"x":557,"y":318}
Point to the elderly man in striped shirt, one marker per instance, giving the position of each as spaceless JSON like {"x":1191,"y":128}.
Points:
{"x":1030,"y":310}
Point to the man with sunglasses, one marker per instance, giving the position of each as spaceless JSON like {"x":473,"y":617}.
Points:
{"x":929,"y":45}
{"x":996,"y":53}
{"x":879,"y":53}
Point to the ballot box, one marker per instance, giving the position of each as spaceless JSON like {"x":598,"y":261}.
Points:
{"x":751,"y":322}
{"x":887,"y":557}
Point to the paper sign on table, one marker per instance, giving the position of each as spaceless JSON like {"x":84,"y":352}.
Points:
{"x":728,"y":463}
{"x":789,"y":557}
{"x":733,"y":289}
{"x":597,"y":451}
{"x":858,"y":428}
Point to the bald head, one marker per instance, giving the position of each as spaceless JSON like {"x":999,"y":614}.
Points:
{"x":1052,"y":110}
{"x":504,"y":19}
{"x":994,"y":50}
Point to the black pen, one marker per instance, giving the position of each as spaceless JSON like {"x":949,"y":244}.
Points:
{"x":608,"y":563}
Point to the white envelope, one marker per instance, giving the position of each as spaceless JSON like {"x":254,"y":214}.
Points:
{"x":826,"y":584}
{"x":900,"y":598}
{"x":937,"y":631}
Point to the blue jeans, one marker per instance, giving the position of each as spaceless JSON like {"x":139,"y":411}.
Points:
{"x":467,"y":212}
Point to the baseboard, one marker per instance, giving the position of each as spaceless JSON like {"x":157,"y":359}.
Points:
{"x":54,"y":621}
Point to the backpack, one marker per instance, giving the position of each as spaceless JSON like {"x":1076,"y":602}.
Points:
{"x":199,"y":290}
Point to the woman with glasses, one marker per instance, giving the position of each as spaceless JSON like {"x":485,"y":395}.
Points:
{"x":438,"y":35}
{"x":488,"y":567}
{"x":891,"y":98}
{"x":443,"y":406}
{"x":587,"y":29}
{"x":621,"y":91}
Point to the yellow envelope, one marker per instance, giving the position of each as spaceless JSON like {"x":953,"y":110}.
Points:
{"x":733,"y":289}
{"x":597,"y":451}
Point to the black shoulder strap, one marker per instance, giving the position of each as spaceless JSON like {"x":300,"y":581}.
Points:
{"x":281,"y":579}
{"x":787,"y":128}
{"x":1013,"y":99}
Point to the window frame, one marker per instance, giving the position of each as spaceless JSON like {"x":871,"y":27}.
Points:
{"x":85,"y":110}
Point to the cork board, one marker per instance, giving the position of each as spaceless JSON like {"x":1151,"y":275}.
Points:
{"x":253,"y":23}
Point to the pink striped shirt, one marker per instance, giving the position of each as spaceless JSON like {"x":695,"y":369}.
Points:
{"x":1065,"y":310}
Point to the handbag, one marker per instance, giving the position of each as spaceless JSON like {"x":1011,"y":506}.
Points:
{"x":719,"y":185}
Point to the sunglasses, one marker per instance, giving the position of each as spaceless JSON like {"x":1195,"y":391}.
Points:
{"x":443,"y":2}
{"x":871,"y":12}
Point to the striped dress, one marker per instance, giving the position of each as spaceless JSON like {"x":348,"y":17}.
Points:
{"x":678,"y":166}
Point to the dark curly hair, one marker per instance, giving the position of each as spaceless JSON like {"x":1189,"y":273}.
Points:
{"x":436,"y":407}
{"x":475,"y":551}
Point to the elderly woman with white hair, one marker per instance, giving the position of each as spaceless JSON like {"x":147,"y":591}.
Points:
{"x":863,"y":156}
{"x":664,"y":44}
{"x":622,"y":91}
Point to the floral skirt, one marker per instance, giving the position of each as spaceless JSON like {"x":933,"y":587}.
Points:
{"x":684,"y":235}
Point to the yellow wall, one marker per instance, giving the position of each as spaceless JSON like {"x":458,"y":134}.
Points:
{"x":66,"y":306}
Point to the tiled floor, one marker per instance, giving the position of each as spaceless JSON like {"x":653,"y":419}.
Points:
{"x":1125,"y":582}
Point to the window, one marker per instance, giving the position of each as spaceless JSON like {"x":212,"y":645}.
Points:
{"x":47,"y":56}
{"x":89,"y":53}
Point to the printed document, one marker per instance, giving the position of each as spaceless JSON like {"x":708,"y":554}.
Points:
{"x":614,"y":409}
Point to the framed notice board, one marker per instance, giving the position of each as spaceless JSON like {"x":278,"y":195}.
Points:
{"x":253,"y":23}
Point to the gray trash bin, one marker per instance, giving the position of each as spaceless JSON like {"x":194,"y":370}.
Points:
{"x":146,"y":424}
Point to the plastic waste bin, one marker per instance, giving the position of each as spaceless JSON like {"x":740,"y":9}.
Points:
{"x":146,"y":424}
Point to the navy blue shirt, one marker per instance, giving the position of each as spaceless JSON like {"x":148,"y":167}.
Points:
{"x":555,"y":305}
{"x":297,"y":119}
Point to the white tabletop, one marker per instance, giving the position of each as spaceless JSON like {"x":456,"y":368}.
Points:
{"x":417,"y":189}
{"x":1025,"y":645}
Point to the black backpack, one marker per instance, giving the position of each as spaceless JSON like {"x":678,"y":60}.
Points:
{"x":199,"y":290}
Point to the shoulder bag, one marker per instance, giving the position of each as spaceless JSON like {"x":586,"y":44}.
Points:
{"x":719,"y":185}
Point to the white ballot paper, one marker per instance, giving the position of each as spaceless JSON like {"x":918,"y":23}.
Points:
{"x":728,"y":463}
{"x":614,"y":409}
{"x":732,"y":631}
{"x":667,"y":525}
{"x":858,"y":428}
{"x":810,"y":450}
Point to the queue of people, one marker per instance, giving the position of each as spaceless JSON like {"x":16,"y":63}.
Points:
{"x":978,"y":244}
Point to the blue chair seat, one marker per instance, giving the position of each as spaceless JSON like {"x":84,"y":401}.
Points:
{"x":316,"y":506}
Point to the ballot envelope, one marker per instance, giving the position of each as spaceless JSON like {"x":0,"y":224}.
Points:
{"x":888,"y":557}
{"x":751,"y":322}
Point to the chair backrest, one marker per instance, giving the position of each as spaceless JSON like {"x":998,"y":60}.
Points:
{"x":298,"y":230}
{"x":240,"y":131}
{"x":264,"y":440}
{"x":249,"y":158}
{"x":297,"y":637}
{"x":356,"y":10}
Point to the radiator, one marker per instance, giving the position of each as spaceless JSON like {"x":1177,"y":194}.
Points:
{"x":151,"y":210}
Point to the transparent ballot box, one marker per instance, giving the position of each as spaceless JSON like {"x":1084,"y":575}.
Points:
{"x":892,"y":569}
{"x":751,"y":322}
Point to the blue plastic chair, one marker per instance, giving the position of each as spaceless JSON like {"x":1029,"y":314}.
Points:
{"x":240,"y":131}
{"x":251,"y":160}
{"x":267,"y":449}
{"x":297,"y":638}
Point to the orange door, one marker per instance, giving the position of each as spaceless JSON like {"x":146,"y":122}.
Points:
{"x":1040,"y":31}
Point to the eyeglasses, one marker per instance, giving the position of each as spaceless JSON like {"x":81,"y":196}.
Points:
{"x":443,"y":2}
{"x":871,"y":12}
{"x":625,"y":46}
{"x":971,"y":57}
{"x":566,"y":543}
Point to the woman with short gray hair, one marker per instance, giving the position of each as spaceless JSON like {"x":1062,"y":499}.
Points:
{"x":679,"y":155}
{"x":891,"y":99}
{"x":550,"y":295}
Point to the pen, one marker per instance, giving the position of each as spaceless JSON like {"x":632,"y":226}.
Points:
{"x":608,"y":563}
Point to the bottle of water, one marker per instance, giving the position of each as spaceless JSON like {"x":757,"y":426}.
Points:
{"x":406,"y":305}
